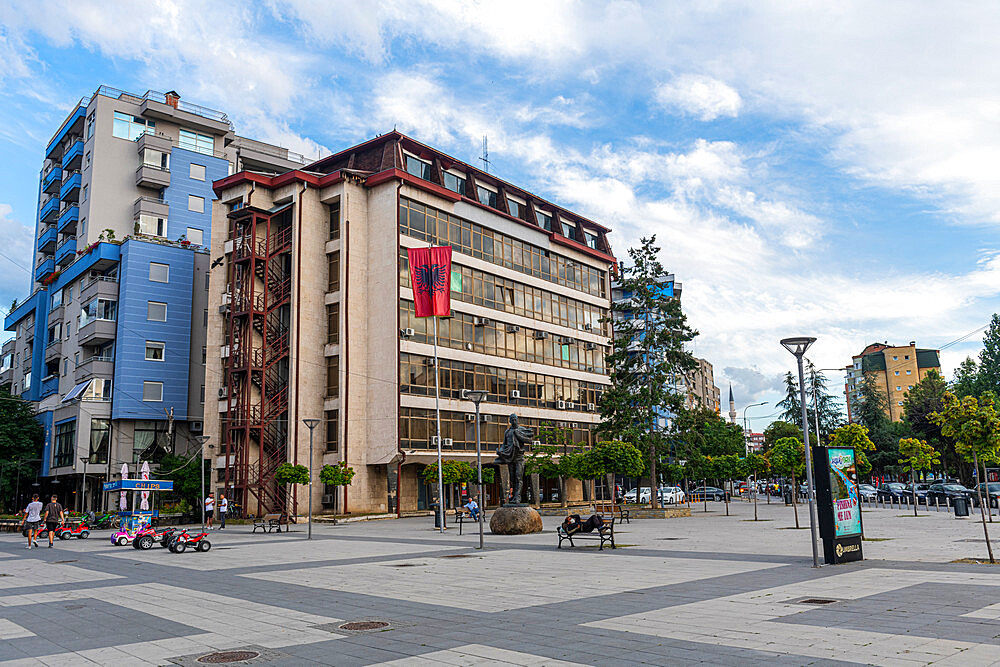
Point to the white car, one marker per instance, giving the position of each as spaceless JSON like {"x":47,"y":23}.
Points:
{"x":643,"y":495}
{"x":671,"y":495}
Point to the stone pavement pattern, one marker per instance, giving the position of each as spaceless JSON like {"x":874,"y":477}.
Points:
{"x":709,"y":588}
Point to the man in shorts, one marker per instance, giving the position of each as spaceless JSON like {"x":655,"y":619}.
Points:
{"x":209,"y":510}
{"x":54,"y":517}
{"x":33,"y":519}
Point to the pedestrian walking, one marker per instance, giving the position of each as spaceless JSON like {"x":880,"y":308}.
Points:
{"x":32,"y":519}
{"x":209,"y":510}
{"x":223,"y":510}
{"x":54,"y":517}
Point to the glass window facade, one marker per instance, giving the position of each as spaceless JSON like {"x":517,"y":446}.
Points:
{"x":126,"y":126}
{"x":100,"y":440}
{"x":332,"y":431}
{"x":417,"y":167}
{"x":417,"y":426}
{"x":64,"y":444}
{"x":150,"y":438}
{"x":194,"y":141}
{"x":332,"y":377}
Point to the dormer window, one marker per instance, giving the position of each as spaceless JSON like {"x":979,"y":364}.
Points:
{"x":591,"y":240}
{"x":515,"y":207}
{"x":544,"y":220}
{"x":417,"y":167}
{"x":454,"y":182}
{"x":568,"y":230}
{"x":486,"y":196}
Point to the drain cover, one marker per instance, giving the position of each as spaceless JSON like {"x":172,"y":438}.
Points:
{"x":358,"y":626}
{"x":406,"y":564}
{"x":222,"y":657}
{"x":456,"y":556}
{"x":816,"y":601}
{"x":63,"y":561}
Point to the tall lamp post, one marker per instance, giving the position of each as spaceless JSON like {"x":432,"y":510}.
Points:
{"x":311,"y":423}
{"x":798,"y":346}
{"x":202,"y":439}
{"x":83,"y":500}
{"x":746,"y":447}
{"x":478,"y":397}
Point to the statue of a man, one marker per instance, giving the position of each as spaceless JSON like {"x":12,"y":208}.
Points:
{"x":510,"y":452}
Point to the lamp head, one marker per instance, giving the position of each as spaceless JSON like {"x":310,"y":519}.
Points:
{"x":797,"y":345}
{"x":311,"y":423}
{"x":477,"y":396}
{"x":202,"y":439}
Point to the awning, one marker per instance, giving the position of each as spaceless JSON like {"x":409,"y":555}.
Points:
{"x":76,"y":391}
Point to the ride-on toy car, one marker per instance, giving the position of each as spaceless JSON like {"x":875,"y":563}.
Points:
{"x":129,"y":529}
{"x":146,"y":537}
{"x":80,"y":531}
{"x":179,"y":543}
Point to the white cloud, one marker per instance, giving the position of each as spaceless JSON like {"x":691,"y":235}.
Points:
{"x":700,"y":96}
{"x":18,"y":250}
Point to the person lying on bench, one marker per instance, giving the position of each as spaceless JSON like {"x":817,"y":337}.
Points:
{"x":473,"y":508}
{"x":574,"y":524}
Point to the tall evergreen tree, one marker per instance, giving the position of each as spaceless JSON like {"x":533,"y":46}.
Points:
{"x":871,"y":411}
{"x":830,"y":416}
{"x":21,"y":441}
{"x":965,"y":382}
{"x":926,"y":398}
{"x":647,"y":355}
{"x":989,"y":359}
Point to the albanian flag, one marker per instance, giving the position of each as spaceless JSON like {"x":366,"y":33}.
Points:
{"x":430,"y":274}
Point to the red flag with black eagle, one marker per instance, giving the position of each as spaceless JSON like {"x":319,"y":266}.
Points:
{"x":430,"y":275}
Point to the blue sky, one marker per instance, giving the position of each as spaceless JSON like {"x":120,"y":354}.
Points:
{"x":808,"y":168}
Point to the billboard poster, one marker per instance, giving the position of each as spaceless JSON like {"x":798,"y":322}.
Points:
{"x":844,"y":491}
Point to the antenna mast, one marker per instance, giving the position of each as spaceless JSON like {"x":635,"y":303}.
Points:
{"x":486,"y":156}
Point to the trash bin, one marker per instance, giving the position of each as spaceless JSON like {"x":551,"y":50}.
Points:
{"x":788,"y":497}
{"x":435,"y":507}
{"x":961,"y":506}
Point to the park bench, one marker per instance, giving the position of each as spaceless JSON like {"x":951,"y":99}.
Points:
{"x":606,"y":533}
{"x":462,"y":516}
{"x":606,"y":509}
{"x":270,"y":522}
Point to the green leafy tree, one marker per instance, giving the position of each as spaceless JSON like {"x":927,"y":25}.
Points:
{"x":926,"y":398}
{"x":21,"y":442}
{"x":823,"y":402}
{"x":787,"y":459}
{"x":614,"y":457}
{"x":289,"y":473}
{"x":965,"y":382}
{"x":871,"y":411}
{"x":183,"y":472}
{"x":989,"y":359}
{"x":974,"y":426}
{"x":336,"y":475}
{"x":728,"y":467}
{"x":855,"y":436}
{"x":791,"y":407}
{"x":775,"y":431}
{"x":648,"y":355}
{"x":549,"y":459}
{"x":756,"y":465}
{"x":916,"y":455}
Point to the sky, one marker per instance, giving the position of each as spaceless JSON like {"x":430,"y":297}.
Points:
{"x":808,"y":168}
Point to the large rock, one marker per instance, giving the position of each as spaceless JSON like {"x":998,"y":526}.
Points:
{"x":515,"y":521}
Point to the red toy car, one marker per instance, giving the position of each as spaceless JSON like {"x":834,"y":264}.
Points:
{"x":179,"y":543}
{"x":146,"y":537}
{"x":80,"y":531}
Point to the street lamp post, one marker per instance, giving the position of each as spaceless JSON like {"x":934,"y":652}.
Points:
{"x":746,"y":446}
{"x":478,"y":397}
{"x":83,"y":499}
{"x":202,"y":439}
{"x":311,"y":423}
{"x":798,"y":346}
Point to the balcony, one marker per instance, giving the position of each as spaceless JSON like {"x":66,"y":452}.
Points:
{"x":99,"y":286}
{"x":53,"y":351}
{"x":97,"y":332}
{"x":95,"y":367}
{"x":70,"y":190}
{"x":68,"y":218}
{"x":147,"y":176}
{"x":51,"y":180}
{"x":156,"y":142}
{"x":161,"y":106}
{"x":6,"y":377}
{"x":73,"y":156}
{"x":47,"y":240}
{"x":66,"y":252}
{"x":50,"y":210}
{"x":150,"y":205}
{"x":50,"y":385}
{"x":44,"y":269}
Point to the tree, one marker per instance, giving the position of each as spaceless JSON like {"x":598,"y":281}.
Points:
{"x":549,"y":459}
{"x":728,"y":467}
{"x":916,"y":455}
{"x":989,"y":359}
{"x":615,"y":457}
{"x":974,"y":426}
{"x":288,"y":473}
{"x":855,"y":436}
{"x":926,"y":398}
{"x":648,"y":355}
{"x":456,"y":472}
{"x":787,"y":459}
{"x":823,"y":402}
{"x":775,"y":431}
{"x":184,"y":473}
{"x":870,"y":411}
{"x":965,"y":382}
{"x":21,"y":442}
{"x":790,"y":405}
{"x":336,"y":475}
{"x":756,"y":465}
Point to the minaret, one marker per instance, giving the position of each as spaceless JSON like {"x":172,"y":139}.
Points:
{"x":732,"y":405}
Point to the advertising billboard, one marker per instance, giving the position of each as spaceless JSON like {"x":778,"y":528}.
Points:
{"x":844,"y":492}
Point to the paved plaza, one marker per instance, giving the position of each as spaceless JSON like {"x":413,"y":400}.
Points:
{"x":709,"y":588}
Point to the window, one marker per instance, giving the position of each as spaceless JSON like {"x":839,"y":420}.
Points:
{"x":98,"y":309}
{"x":156,"y":311}
{"x":418,"y":167}
{"x":156,"y":159}
{"x":159,"y":273}
{"x":332,"y":431}
{"x":152,"y":225}
{"x":515,"y":208}
{"x":332,"y":377}
{"x":195,"y":235}
{"x":83,"y":228}
{"x":150,"y":437}
{"x":154,"y":350}
{"x":909,"y":387}
{"x":27,"y":381}
{"x":86,"y":160}
{"x":333,"y":324}
{"x":896,"y":372}
{"x":454,"y":182}
{"x":197,"y":172}
{"x":99,"y":389}
{"x":899,"y":388}
{"x":204,"y":320}
{"x":100,"y":440}
{"x":908,"y":373}
{"x":906,"y":357}
{"x":126,"y":126}
{"x":65,"y":366}
{"x":544,"y":220}
{"x":568,"y":230}
{"x":335,"y":220}
{"x":202,"y":393}
{"x":895,"y":358}
{"x":56,"y":300}
{"x":334,"y":271}
{"x":90,"y":125}
{"x":208,"y":277}
{"x":83,"y":197}
{"x":152,"y":391}
{"x":899,"y":403}
{"x":486,"y":197}
{"x":64,"y":445}
{"x":193,"y":141}
{"x":196,"y":204}
{"x":204,"y":354}
{"x":591,"y":240}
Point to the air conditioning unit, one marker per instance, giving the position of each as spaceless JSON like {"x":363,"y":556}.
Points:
{"x":512,"y":328}
{"x":565,"y":340}
{"x":429,"y":361}
{"x":590,"y":346}
{"x":224,"y":309}
{"x":574,"y":425}
{"x":328,"y":498}
{"x":224,"y":352}
{"x":560,"y":405}
{"x":536,"y":443}
{"x":227,"y":298}
{"x":487,"y":419}
{"x":515,"y":394}
{"x":468,"y":346}
{"x":588,"y":327}
{"x":470,"y":417}
{"x":196,"y":427}
{"x":540,"y":335}
{"x":570,"y":405}
{"x":223,"y":393}
{"x":591,"y":407}
{"x":448,"y":442}
{"x":481,"y":321}
{"x":407,"y":332}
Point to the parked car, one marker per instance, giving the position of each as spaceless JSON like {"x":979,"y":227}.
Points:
{"x":630,"y":495}
{"x":990,"y":490}
{"x":671,"y":495}
{"x":867,"y":491}
{"x":921,"y":492}
{"x":709,"y":493}
{"x":945,"y":493}
{"x":893,"y":491}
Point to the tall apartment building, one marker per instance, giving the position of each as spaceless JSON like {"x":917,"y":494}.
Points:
{"x":895,"y":370}
{"x":701,"y":389}
{"x":311,"y":317}
{"x":110,"y":343}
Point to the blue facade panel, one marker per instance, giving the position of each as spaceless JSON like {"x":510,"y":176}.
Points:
{"x":182,"y":185}
{"x":131,"y":366}
{"x":45,"y":419}
{"x":74,"y":117}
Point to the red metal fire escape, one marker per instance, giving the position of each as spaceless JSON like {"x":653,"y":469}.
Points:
{"x":257,"y":370}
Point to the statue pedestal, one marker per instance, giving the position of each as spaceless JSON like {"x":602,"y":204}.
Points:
{"x":520,"y":520}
